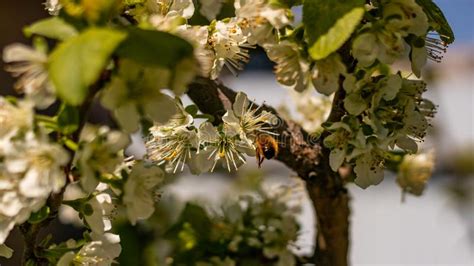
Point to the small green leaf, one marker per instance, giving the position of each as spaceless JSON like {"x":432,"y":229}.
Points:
{"x":192,"y":109}
{"x":133,"y":2}
{"x":77,"y":63}
{"x":40,"y":215}
{"x":285,"y":3}
{"x":437,"y":20}
{"x":70,"y":144}
{"x":54,"y":28}
{"x":5,"y":251}
{"x":68,"y":119}
{"x":328,"y":24}
{"x":154,"y":48}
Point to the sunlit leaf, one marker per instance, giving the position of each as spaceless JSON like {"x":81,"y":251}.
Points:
{"x":328,"y":24}
{"x":54,"y":28}
{"x":437,"y":20}
{"x":78,"y":62}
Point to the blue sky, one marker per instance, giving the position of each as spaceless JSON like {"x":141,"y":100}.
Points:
{"x":460,"y":14}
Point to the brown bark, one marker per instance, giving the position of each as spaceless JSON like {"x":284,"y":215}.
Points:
{"x":302,"y":153}
{"x":331,"y":202}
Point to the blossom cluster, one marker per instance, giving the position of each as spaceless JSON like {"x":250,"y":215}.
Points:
{"x":85,"y":166}
{"x":382,"y":115}
{"x":258,"y":226}
{"x":383,"y":112}
{"x":179,"y":141}
{"x":222,"y":43}
{"x":31,"y":166}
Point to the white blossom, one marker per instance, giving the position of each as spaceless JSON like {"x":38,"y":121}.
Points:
{"x":173,"y":142}
{"x":100,"y":251}
{"x":40,"y":165}
{"x":30,"y":65}
{"x":230,"y":47}
{"x":30,"y":170}
{"x":222,"y":145}
{"x":14,"y":119}
{"x":210,"y":8}
{"x":369,"y":169}
{"x":248,"y":120}
{"x":338,"y":143}
{"x":198,"y":36}
{"x":183,"y":8}
{"x":377,"y":44}
{"x":291,"y":69}
{"x":312,"y":109}
{"x":418,"y":56}
{"x":385,"y":42}
{"x":259,"y":19}
{"x":405,"y":17}
{"x":52,"y":6}
{"x":99,"y":213}
{"x":129,"y":103}
{"x":326,"y":74}
{"x":100,"y":152}
{"x":139,"y":189}
{"x":168,"y":23}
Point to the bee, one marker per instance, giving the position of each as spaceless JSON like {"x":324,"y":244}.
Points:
{"x":266,"y":148}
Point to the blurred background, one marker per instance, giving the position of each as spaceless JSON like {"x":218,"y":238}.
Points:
{"x":434,"y":229}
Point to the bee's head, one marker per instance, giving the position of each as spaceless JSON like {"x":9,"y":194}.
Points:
{"x":269,"y":152}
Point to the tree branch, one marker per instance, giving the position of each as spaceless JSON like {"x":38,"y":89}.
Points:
{"x":303,"y":153}
{"x":297,"y":149}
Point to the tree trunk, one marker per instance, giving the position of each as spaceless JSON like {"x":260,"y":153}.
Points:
{"x":331,"y":203}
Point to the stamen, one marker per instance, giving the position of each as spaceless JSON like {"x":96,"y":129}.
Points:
{"x":435,"y":47}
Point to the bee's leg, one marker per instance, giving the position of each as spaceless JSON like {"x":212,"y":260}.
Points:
{"x":260,"y":160}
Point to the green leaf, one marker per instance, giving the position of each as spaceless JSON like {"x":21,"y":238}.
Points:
{"x":329,"y":23}
{"x":437,"y":20}
{"x":5,"y":251}
{"x":285,"y":3}
{"x":40,"y":215}
{"x":68,"y":119}
{"x":133,"y":2}
{"x":192,"y":109}
{"x":154,"y":48}
{"x":78,"y":62}
{"x":54,"y":28}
